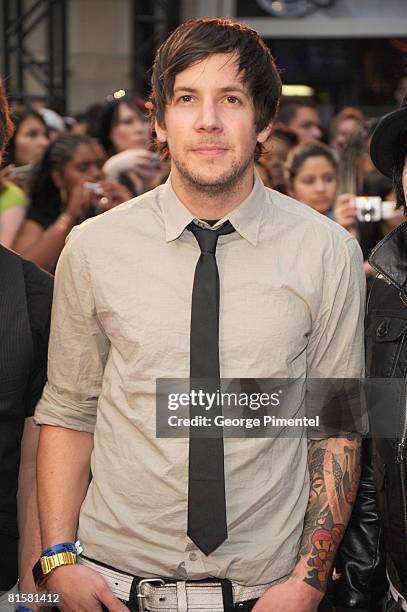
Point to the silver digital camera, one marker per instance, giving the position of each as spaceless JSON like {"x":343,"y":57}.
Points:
{"x":373,"y":208}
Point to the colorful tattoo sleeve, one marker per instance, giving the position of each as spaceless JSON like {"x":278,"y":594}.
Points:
{"x":334,"y":468}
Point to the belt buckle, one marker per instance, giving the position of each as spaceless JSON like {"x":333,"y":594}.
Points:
{"x":140,"y":596}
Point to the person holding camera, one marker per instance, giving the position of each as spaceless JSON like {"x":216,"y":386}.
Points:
{"x":59,"y":198}
{"x":369,"y":217}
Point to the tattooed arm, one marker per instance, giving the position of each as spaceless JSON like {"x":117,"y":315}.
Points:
{"x":334,"y":467}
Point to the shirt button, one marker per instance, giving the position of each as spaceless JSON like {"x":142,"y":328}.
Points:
{"x":193,"y":556}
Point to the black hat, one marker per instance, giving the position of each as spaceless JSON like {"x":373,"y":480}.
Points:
{"x":386,"y":139}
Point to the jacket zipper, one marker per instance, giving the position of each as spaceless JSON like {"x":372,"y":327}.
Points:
{"x":401,"y":459}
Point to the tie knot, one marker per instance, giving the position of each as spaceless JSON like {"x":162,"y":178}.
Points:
{"x":208,"y":238}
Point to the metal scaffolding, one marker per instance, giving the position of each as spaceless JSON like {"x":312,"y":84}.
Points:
{"x":48,"y":68}
{"x":152,"y":23}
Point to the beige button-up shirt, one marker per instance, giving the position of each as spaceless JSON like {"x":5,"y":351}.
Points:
{"x":291,"y":305}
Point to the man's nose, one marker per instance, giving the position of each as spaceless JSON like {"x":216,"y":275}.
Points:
{"x":208,"y":118}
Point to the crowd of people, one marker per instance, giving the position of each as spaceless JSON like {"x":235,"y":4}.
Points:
{"x":54,"y":177}
{"x":59,"y":171}
{"x":224,"y":267}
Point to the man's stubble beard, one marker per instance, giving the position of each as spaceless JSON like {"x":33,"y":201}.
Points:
{"x":227,"y":182}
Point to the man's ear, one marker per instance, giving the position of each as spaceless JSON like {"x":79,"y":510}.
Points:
{"x":160,"y":131}
{"x":264,"y":134}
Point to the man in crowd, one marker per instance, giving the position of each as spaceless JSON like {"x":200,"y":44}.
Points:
{"x":208,"y":274}
{"x":25,"y":305}
{"x":300,"y":115}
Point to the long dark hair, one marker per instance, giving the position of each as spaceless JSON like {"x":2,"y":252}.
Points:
{"x":109,"y":116}
{"x":45,"y":195}
{"x":18,"y":119}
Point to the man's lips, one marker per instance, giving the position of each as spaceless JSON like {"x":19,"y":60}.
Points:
{"x":210,"y":150}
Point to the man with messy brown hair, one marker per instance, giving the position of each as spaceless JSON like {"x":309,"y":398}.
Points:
{"x":210,"y":274}
{"x":191,"y":44}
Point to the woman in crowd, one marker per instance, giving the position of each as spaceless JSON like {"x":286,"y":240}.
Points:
{"x":59,"y":198}
{"x":29,"y":140}
{"x":25,"y":149}
{"x":311,"y":176}
{"x":124,"y":132}
{"x":124,"y":125}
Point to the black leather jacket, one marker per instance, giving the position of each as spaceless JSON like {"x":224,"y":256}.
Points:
{"x":377,"y":533}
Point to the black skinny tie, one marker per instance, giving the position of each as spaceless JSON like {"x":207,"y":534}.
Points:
{"x":207,"y":526}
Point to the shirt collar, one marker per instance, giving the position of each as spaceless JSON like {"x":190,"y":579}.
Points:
{"x":245,"y":218}
{"x":176,"y":215}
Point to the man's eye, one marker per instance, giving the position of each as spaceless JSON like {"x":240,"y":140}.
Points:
{"x":186,"y":98}
{"x":232,"y":99}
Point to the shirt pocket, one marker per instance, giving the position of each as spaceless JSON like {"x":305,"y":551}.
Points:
{"x":248,"y":463}
{"x":386,"y":346}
